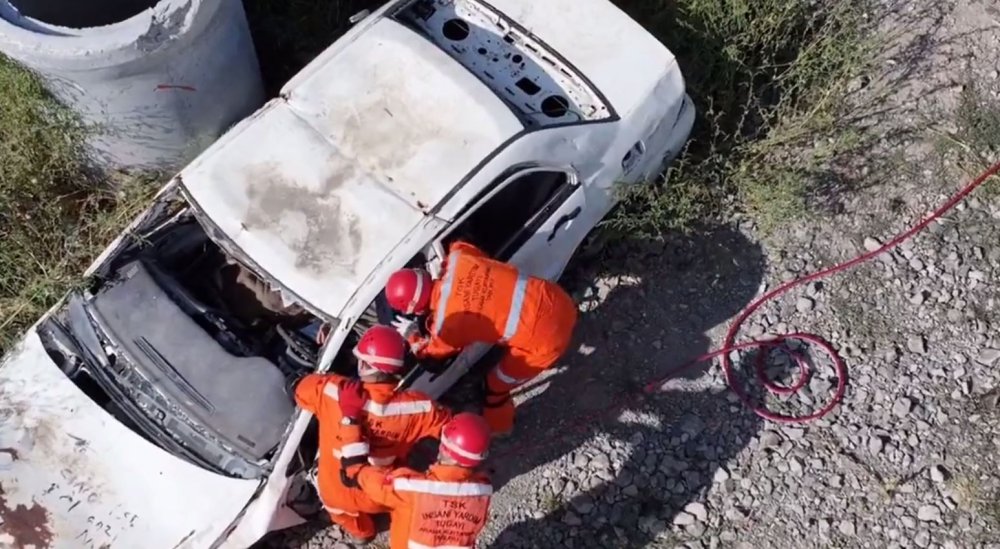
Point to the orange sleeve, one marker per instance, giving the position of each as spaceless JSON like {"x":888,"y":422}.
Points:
{"x":309,"y":392}
{"x":438,"y":349}
{"x":377,"y":483}
{"x":431,"y":423}
{"x":466,"y":248}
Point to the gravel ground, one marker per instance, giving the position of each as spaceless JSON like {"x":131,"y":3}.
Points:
{"x":910,"y":457}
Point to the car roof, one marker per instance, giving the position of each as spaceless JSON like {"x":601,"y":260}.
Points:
{"x":321,"y":184}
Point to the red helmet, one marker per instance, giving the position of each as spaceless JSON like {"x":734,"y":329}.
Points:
{"x":409,"y":291}
{"x":382,"y":348}
{"x":466,"y":439}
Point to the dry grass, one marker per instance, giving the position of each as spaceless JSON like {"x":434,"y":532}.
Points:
{"x":55,"y":216}
{"x":769,"y":79}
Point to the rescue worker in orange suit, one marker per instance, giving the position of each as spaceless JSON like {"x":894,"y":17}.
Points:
{"x":479,"y":299}
{"x":395,"y":421}
{"x":446,"y":507}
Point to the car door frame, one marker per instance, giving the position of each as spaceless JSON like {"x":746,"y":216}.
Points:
{"x":436,"y":384}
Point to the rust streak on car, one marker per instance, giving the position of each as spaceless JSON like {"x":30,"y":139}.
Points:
{"x":28,"y":526}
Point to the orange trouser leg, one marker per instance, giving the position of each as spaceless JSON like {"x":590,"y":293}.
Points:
{"x":546,"y":336}
{"x":350,"y":509}
{"x":515,"y":368}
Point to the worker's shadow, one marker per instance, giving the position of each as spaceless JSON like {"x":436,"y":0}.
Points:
{"x":657,"y":454}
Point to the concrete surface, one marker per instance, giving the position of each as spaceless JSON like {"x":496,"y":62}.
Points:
{"x":158,"y":81}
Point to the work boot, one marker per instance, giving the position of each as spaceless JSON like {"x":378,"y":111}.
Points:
{"x":358,"y":528}
{"x":360,"y":542}
{"x":499,"y":414}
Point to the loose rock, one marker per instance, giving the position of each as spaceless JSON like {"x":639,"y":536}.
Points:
{"x":987,"y":357}
{"x":917,"y":344}
{"x":902,"y":407}
{"x":698,"y":510}
{"x":929,"y":513}
{"x":684,"y":519}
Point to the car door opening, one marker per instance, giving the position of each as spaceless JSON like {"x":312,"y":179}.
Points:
{"x":504,"y":221}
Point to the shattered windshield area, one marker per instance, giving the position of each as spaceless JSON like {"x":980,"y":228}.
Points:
{"x":188,"y":346}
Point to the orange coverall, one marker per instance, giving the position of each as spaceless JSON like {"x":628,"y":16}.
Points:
{"x":479,"y":299}
{"x":446,"y":507}
{"x":395,"y":422}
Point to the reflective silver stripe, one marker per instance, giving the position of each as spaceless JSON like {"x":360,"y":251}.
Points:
{"x":381,"y":461}
{"x":449,"y":281}
{"x":354,"y":449}
{"x":335,"y":511}
{"x":502,"y":376}
{"x":398,"y":408}
{"x":516,"y":303}
{"x":415,"y":545}
{"x":440,"y":488}
{"x":376,"y":461}
{"x":385,"y":410}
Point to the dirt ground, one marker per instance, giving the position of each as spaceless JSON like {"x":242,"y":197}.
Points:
{"x":908,"y":459}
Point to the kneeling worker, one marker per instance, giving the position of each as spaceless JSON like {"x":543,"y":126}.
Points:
{"x":478,"y":299}
{"x":446,"y":507}
{"x":395,"y":421}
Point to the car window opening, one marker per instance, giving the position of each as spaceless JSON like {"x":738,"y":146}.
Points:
{"x":499,"y":224}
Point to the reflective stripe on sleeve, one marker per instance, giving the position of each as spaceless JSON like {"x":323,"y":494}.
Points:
{"x":331,"y":390}
{"x":440,"y":488}
{"x":449,"y":281}
{"x":381,"y":461}
{"x":516,"y":304}
{"x":376,"y":461}
{"x":354,"y":449}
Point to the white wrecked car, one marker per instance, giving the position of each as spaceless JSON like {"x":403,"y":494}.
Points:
{"x":149,"y":409}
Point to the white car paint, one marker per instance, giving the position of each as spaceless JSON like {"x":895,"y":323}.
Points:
{"x":72,"y":476}
{"x":385,"y":140}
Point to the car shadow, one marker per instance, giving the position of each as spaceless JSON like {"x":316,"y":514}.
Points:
{"x":648,"y":307}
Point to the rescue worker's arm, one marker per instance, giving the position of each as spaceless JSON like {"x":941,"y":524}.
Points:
{"x":356,"y":472}
{"x":309,"y":391}
{"x":429,"y":346}
{"x":435,"y":348}
{"x":466,"y":248}
{"x":431,"y":423}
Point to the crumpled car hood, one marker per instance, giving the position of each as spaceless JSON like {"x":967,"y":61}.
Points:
{"x":72,"y":476}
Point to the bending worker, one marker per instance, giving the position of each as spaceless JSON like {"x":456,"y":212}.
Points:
{"x":395,"y":421}
{"x":478,"y":299}
{"x":446,"y":507}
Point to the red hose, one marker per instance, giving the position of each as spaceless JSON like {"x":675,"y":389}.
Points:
{"x":729,"y":344}
{"x":583,"y":423}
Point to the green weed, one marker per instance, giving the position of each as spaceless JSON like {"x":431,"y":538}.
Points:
{"x":55,"y":216}
{"x":769,"y":79}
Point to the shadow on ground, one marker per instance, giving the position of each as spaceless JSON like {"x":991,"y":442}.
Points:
{"x":669,"y":294}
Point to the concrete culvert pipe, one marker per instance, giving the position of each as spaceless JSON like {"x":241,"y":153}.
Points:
{"x":158,"y":80}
